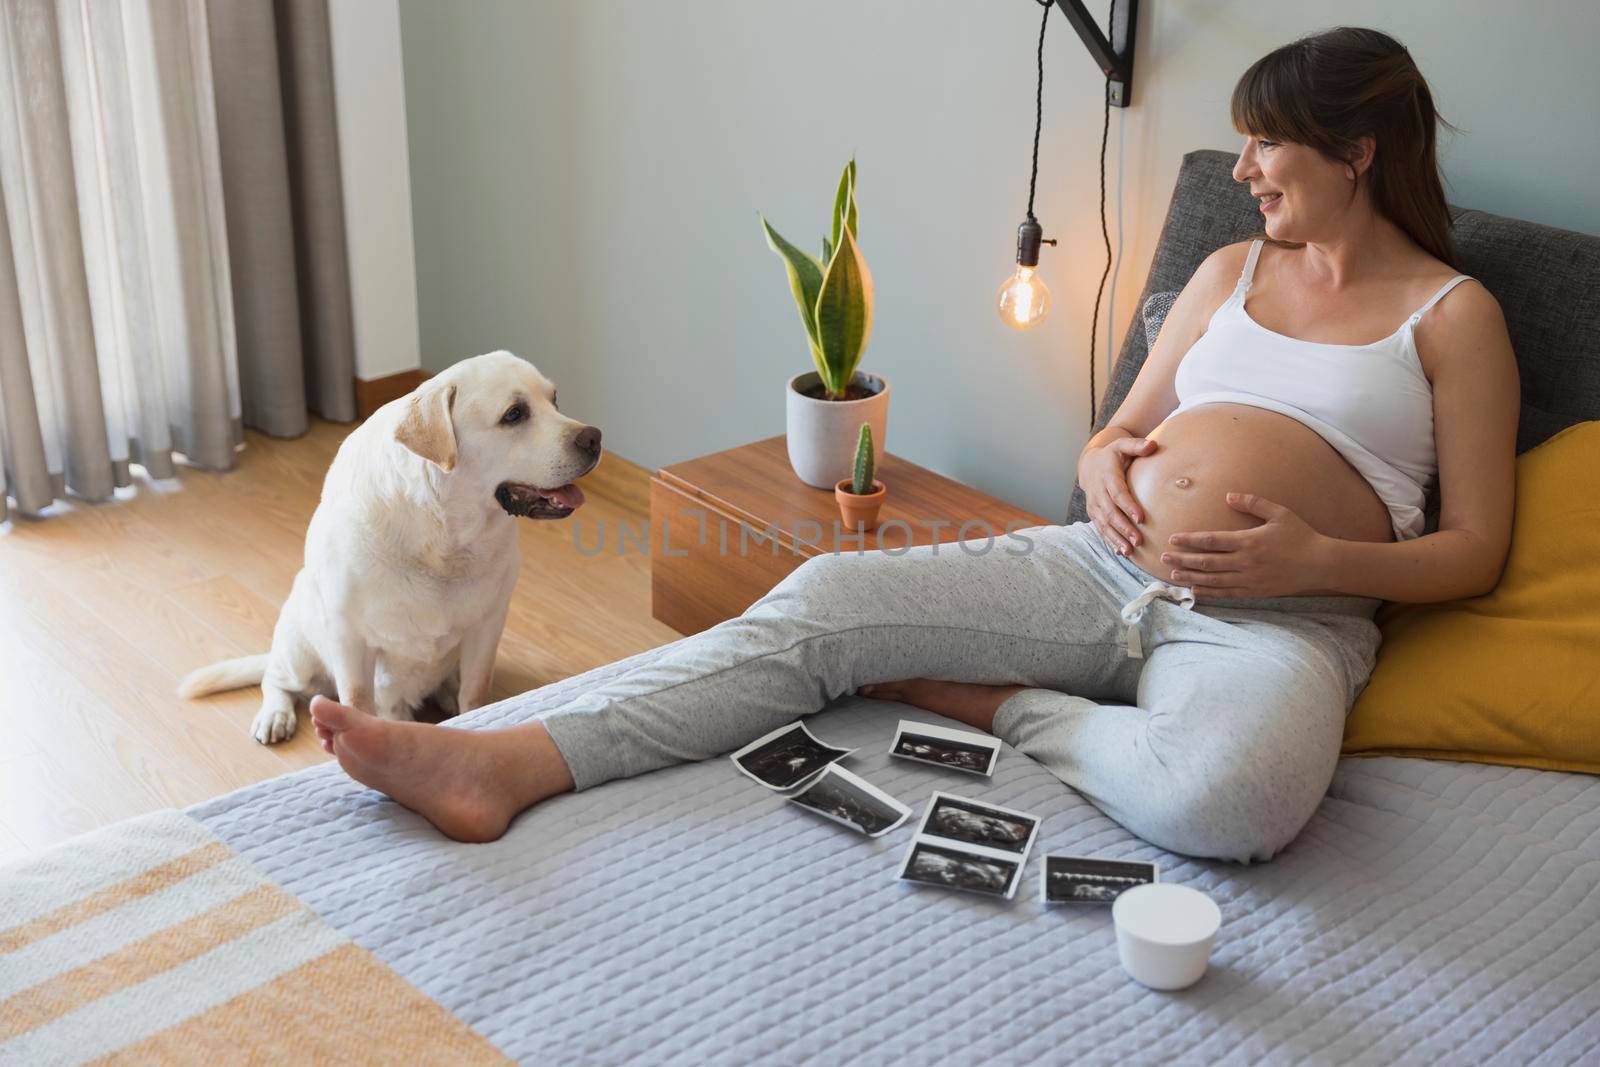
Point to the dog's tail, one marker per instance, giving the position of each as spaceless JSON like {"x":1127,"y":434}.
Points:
{"x":229,"y":674}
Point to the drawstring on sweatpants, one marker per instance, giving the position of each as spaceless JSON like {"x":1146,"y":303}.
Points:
{"x":1133,"y":610}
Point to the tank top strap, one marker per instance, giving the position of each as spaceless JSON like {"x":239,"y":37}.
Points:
{"x":1449,"y":285}
{"x":1249,"y":272}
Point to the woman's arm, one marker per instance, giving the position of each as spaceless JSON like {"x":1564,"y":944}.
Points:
{"x":1477,"y":399}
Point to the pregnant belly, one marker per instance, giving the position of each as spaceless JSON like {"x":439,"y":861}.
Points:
{"x":1215,"y":449}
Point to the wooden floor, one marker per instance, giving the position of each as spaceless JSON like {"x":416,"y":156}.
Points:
{"x":104,"y":607}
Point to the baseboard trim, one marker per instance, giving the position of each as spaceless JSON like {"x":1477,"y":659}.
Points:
{"x":372,"y":394}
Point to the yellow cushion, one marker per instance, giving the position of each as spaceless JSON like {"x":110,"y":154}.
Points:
{"x":1512,"y":677}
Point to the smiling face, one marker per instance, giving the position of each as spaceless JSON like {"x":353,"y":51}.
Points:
{"x":511,"y":444}
{"x":1302,"y":194}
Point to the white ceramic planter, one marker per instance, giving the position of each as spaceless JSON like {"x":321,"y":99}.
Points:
{"x":822,"y":433}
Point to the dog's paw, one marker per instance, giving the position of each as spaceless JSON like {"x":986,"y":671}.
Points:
{"x":272,"y":725}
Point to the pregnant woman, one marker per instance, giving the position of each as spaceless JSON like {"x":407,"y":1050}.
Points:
{"x":1253,"y":500}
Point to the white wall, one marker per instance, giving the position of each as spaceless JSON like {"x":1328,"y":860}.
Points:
{"x":369,"y":100}
{"x":587,"y":175}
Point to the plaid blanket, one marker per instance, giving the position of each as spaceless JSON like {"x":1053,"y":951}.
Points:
{"x":151,"y":941}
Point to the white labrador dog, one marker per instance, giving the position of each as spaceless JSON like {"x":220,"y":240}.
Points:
{"x":411,"y":556}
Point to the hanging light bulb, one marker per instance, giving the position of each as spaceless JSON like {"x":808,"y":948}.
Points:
{"x":1024,"y":298}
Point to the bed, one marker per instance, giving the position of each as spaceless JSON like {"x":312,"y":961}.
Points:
{"x":1431,"y":912}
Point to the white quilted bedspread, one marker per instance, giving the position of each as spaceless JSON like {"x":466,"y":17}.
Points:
{"x":1430,"y":913}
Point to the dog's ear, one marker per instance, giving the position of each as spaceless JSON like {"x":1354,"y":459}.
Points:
{"x":427,"y":427}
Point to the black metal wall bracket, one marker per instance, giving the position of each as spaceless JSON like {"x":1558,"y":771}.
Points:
{"x":1114,"y":56}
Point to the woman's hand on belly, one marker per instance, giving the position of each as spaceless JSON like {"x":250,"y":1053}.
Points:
{"x":1282,"y":556}
{"x":1113,"y":512}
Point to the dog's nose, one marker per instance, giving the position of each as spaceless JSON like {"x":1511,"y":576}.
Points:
{"x":588,"y":440}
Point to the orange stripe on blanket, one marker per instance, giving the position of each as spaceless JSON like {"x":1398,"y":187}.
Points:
{"x":114,"y":896}
{"x":134,"y":963}
{"x":345,"y":1007}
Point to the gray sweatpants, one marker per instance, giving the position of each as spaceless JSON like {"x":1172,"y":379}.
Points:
{"x":1223,"y":717}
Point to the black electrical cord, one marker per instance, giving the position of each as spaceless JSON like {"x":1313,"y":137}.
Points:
{"x":1105,"y":129}
{"x":1033,"y":178}
{"x":1038,"y":105}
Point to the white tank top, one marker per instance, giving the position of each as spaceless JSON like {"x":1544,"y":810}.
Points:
{"x":1370,"y":402}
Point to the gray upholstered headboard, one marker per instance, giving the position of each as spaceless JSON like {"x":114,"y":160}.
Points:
{"x":1547,"y":281}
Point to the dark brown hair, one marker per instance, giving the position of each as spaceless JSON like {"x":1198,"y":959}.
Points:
{"x":1329,"y":89}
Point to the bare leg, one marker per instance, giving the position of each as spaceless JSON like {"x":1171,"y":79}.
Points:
{"x":966,"y":702}
{"x":470,"y":784}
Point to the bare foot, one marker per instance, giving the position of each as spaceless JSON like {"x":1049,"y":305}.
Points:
{"x":470,"y":784}
{"x":967,"y":702}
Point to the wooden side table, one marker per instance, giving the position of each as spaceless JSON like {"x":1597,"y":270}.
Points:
{"x":726,"y":528}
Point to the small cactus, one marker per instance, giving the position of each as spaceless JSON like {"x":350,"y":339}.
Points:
{"x":861,"y":482}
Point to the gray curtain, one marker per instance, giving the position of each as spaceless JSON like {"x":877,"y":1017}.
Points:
{"x":172,"y":251}
{"x":291,"y":275}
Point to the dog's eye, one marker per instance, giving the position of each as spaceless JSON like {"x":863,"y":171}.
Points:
{"x":514,"y":414}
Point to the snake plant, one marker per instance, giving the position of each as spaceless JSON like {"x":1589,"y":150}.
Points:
{"x":861,"y":481}
{"x":834,"y":293}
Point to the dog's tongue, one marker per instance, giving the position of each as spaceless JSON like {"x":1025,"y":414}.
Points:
{"x":568,"y":496}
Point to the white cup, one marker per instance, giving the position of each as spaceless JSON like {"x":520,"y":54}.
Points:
{"x":1165,"y":933}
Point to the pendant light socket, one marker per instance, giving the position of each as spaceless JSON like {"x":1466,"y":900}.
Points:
{"x":1029,"y":236}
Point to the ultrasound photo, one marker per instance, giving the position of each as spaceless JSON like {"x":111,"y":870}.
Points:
{"x":786,"y":757}
{"x":845,"y":798}
{"x":943,"y":747}
{"x":1081,"y":880}
{"x":974,"y":823}
{"x":950,"y":868}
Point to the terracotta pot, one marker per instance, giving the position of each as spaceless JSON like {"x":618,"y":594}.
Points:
{"x":822,"y":433}
{"x":859,"y":511}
